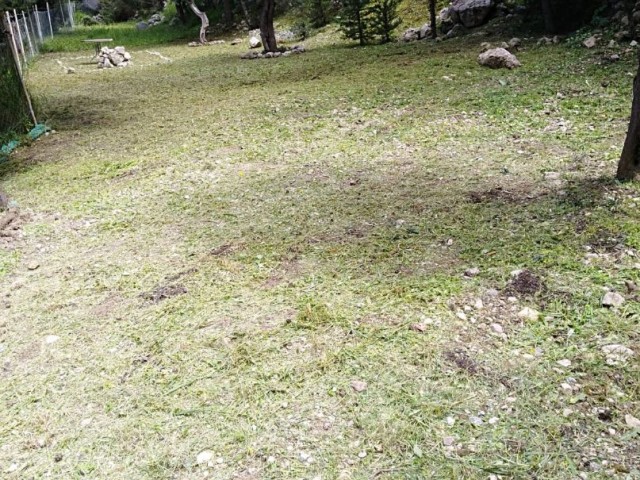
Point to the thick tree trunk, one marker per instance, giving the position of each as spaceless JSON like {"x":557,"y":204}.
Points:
{"x":228,"y":12}
{"x":360,"y":27}
{"x":547,"y":14}
{"x":630,"y":159}
{"x":629,"y":5}
{"x":182,"y":15}
{"x":267,"y":32}
{"x":204,"y":19}
{"x":432,"y":15}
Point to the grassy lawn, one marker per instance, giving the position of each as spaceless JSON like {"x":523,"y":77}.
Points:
{"x":256,"y":269}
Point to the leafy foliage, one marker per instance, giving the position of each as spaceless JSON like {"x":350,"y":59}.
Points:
{"x":121,"y":10}
{"x":383,"y":19}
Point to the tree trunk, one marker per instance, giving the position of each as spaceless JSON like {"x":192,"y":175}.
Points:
{"x":632,"y":23}
{"x":267,"y":32}
{"x":182,"y":15}
{"x":630,"y":159}
{"x":228,"y":12}
{"x":547,"y":14}
{"x":360,"y":26}
{"x":432,"y":15}
{"x":203,"y":18}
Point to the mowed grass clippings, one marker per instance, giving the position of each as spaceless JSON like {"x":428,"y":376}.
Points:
{"x":256,"y":269}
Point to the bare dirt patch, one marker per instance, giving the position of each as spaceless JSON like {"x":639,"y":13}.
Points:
{"x":164,"y":292}
{"x":525,"y":283}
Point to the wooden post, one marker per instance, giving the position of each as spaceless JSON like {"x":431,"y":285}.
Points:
{"x":16,"y":59}
{"x":14,"y":47}
{"x":26,"y":29}
{"x":50,"y":23}
{"x":15,"y":16}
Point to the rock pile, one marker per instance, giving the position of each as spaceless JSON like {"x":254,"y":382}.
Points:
{"x":113,"y":57}
{"x":461,"y":15}
{"x":252,"y":55}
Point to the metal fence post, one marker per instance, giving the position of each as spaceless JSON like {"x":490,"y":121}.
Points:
{"x":14,"y":47}
{"x":16,"y":59}
{"x":15,"y":16}
{"x":37,"y":14}
{"x":49,"y":16}
{"x":26,"y":29}
{"x":73,"y":25}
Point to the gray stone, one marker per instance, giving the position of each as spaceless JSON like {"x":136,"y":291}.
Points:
{"x":515,"y":43}
{"x":410,"y":35}
{"x":498,"y":58}
{"x":590,"y":42}
{"x":612,"y":299}
{"x":473,"y":13}
{"x":457,"y":31}
{"x":425,"y":31}
{"x":254,"y":42}
{"x":142,"y":26}
{"x":448,"y":18}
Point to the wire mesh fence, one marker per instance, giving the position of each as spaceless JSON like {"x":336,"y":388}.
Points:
{"x":32,"y":27}
{"x":22,"y":33}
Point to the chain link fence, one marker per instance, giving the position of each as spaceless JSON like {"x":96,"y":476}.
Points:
{"x":22,"y":32}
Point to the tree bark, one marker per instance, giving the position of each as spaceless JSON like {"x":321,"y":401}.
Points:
{"x":432,"y":15}
{"x":547,"y":14}
{"x":267,"y":32}
{"x":360,"y":27}
{"x":182,"y":15}
{"x":203,"y":18}
{"x":228,"y":12}
{"x":629,"y":163}
{"x":632,"y":23}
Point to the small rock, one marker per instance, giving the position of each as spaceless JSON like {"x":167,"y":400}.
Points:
{"x":450,"y":421}
{"x":476,"y":421}
{"x":461,"y":315}
{"x":565,"y":362}
{"x":359,"y":386}
{"x":448,"y":441}
{"x":633,"y":43}
{"x":419,"y":327}
{"x":612,"y":299}
{"x":362,"y":454}
{"x":254,"y":42}
{"x":204,"y":457}
{"x":590,"y":42}
{"x":632,"y":421}
{"x":478,"y":305}
{"x":492,"y":292}
{"x":493,"y":420}
{"x":496,"y":327}
{"x":515,"y":42}
{"x":33,"y":266}
{"x":51,"y":339}
{"x":616,"y":354}
{"x":472,"y":272}
{"x":567,"y":412}
{"x":498,"y":58}
{"x":529,"y":314}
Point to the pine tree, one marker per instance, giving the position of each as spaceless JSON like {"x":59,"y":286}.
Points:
{"x":353,"y":21}
{"x":383,"y":19}
{"x":317,"y":13}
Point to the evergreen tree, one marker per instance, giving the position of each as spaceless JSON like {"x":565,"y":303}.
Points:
{"x":317,"y":13}
{"x":383,"y":19}
{"x":353,"y":21}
